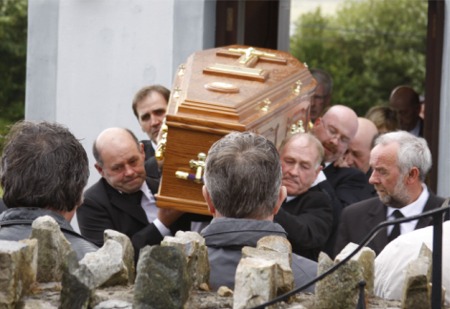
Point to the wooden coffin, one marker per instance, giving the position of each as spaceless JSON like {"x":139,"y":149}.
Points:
{"x":234,"y":88}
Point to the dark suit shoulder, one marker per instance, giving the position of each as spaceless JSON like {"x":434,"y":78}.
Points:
{"x":148,"y":149}
{"x":363,"y":206}
{"x":310,"y":197}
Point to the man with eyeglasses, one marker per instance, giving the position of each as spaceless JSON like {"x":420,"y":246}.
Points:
{"x":335,"y":129}
{"x":344,"y":185}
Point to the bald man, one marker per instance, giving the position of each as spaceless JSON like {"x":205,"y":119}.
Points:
{"x":358,"y":152}
{"x":406,"y":102}
{"x":335,"y":130}
{"x":123,"y":199}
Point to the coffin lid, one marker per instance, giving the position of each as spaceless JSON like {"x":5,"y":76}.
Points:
{"x":215,"y":90}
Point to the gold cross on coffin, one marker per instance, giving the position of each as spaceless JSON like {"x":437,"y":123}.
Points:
{"x":248,"y":58}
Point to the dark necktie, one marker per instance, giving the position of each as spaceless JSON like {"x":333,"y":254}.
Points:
{"x":396,"y":230}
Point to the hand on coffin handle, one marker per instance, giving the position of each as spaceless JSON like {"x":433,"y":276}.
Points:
{"x":168,"y":216}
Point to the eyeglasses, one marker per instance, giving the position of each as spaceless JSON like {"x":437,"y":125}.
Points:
{"x":334,"y":133}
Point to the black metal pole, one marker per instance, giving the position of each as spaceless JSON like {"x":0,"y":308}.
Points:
{"x":436,"y":279}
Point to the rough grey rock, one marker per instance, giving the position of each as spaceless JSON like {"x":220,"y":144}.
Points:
{"x":366,"y":259}
{"x":284,"y":278}
{"x":53,"y":247}
{"x":77,"y":284}
{"x":340,"y":289}
{"x":416,"y":288}
{"x":17,"y":271}
{"x":128,"y":251}
{"x":192,"y":244}
{"x":162,"y":280}
{"x":275,"y":243}
{"x":106,"y":265}
{"x":114,"y":304}
{"x":28,"y":268}
{"x":255,"y":282}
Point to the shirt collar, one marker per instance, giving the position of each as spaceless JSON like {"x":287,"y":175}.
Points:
{"x":320,"y":177}
{"x":145,"y":190}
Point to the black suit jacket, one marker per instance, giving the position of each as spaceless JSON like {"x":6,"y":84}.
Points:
{"x":308,"y":220}
{"x":106,"y":208}
{"x":359,"y":219}
{"x":148,"y":149}
{"x":327,"y":189}
{"x":151,"y":165}
{"x":349,"y":184}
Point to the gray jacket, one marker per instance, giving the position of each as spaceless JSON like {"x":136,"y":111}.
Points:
{"x":225,"y":237}
{"x":15,"y":224}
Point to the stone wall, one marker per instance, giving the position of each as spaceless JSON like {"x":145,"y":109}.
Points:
{"x":43,"y":272}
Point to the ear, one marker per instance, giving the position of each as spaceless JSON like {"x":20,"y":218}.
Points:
{"x":281,"y":197}
{"x":99,"y":169}
{"x":318,"y":121}
{"x":413,"y":175}
{"x":208,"y":200}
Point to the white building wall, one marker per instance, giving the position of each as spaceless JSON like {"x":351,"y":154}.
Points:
{"x":87,"y":58}
{"x":443,"y":188}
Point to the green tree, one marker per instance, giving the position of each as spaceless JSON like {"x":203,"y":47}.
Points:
{"x":368,"y":47}
{"x":13,"y":45}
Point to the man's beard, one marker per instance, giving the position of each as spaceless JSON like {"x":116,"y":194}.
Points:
{"x":399,"y":198}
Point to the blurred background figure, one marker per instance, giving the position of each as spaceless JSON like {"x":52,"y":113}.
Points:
{"x":322,"y":96}
{"x":384,"y":117}
{"x":407,"y":104}
{"x":358,"y":152}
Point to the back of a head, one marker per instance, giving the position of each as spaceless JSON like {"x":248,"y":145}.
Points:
{"x":367,"y":131}
{"x":413,"y":151}
{"x":243,"y":175}
{"x":405,"y":95}
{"x":43,"y":165}
{"x":384,"y":117}
{"x":323,"y":78}
{"x":407,"y":103}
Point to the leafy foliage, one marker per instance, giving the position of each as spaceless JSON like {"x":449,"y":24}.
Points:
{"x":13,"y":45}
{"x":368,"y":47}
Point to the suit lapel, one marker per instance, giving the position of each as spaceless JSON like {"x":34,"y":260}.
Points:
{"x":377,"y":214}
{"x":433,"y":202}
{"x":129,"y":204}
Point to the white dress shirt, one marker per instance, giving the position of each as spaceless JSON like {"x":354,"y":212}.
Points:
{"x":415,"y":208}
{"x":148,"y":203}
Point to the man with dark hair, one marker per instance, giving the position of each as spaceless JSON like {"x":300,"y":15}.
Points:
{"x":400,"y":162}
{"x":321,"y":99}
{"x":406,"y":101}
{"x":243,"y":191}
{"x":149,"y":107}
{"x":44,"y":170}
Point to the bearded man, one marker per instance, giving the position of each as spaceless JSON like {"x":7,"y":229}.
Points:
{"x":400,"y":162}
